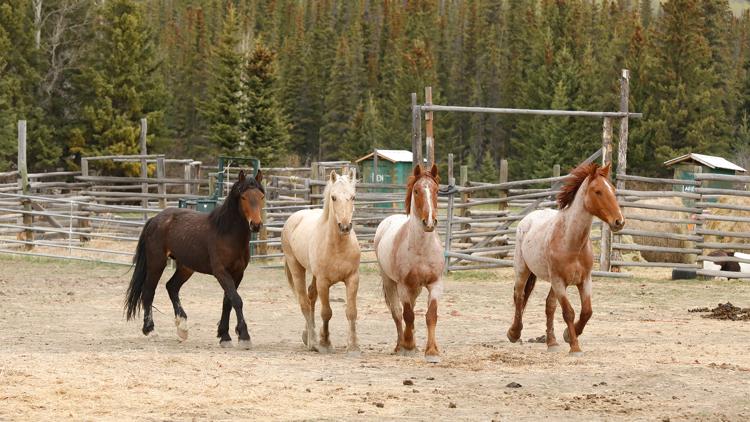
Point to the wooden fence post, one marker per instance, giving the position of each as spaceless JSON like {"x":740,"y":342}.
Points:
{"x":693,"y":258}
{"x":314,"y":188}
{"x":503,"y":179}
{"x":23,"y":173}
{"x":606,"y":235}
{"x":449,"y":212}
{"x":463,"y":180}
{"x":428,"y":117}
{"x":622,"y":144}
{"x":188,"y":175}
{"x":161,"y":171}
{"x":144,"y":165}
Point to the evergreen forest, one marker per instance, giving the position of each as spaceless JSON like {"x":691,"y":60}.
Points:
{"x":296,"y":81}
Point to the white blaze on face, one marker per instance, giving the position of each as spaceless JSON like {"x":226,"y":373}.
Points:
{"x":428,"y":198}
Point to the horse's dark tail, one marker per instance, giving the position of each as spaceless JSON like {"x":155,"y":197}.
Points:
{"x":133,"y":295}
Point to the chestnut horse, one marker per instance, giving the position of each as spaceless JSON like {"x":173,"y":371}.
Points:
{"x":323,"y":243}
{"x":215,"y":243}
{"x":410,"y":257}
{"x":556,"y":246}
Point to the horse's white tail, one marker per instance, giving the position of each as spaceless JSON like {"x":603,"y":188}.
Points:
{"x":289,"y":276}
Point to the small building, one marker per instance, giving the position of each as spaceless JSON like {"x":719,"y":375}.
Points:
{"x":387,"y":166}
{"x":687,"y":165}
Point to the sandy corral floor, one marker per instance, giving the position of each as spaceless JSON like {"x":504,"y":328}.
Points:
{"x":66,"y":352}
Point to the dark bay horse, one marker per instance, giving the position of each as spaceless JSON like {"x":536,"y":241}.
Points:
{"x":215,"y":243}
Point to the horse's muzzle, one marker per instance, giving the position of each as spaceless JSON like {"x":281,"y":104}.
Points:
{"x":429,"y":227}
{"x":255,"y":227}
{"x":345,"y":228}
{"x":617,"y":225}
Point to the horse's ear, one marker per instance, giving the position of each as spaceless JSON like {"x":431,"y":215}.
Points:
{"x":241,"y":176}
{"x":604,"y":171}
{"x":334,"y":177}
{"x":417,"y":170}
{"x":353,"y":174}
{"x":259,"y":176}
{"x":434,"y":171}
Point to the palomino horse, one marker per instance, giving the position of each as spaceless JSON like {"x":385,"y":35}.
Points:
{"x":323,"y":242}
{"x":556,"y":246}
{"x":215,"y":243}
{"x":410,"y":257}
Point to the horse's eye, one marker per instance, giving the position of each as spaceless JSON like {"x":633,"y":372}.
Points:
{"x":598,"y":192}
{"x":334,"y":198}
{"x":354,"y":197}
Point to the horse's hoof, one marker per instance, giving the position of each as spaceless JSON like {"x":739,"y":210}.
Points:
{"x":245,"y":344}
{"x":553,"y":348}
{"x":432,"y":358}
{"x":226,"y":344}
{"x":512,"y":338}
{"x":304,"y":337}
{"x":578,"y":354}
{"x":182,"y":328}
{"x":353,"y":353}
{"x":407,"y":352}
{"x":324,"y":350}
{"x":566,"y":336}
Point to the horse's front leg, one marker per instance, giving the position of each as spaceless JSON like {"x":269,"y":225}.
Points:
{"x":230,"y":294}
{"x":568,"y":315}
{"x":324,"y":344}
{"x":435,"y":290}
{"x":352,"y":286}
{"x":584,"y":289}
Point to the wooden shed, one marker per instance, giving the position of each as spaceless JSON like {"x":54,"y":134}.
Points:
{"x":686,"y":166}
{"x":388,"y":166}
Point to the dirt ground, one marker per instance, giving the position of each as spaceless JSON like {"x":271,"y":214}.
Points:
{"x":66,"y":352}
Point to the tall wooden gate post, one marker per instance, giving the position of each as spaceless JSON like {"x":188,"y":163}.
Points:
{"x":606,"y":242}
{"x":622,"y":142}
{"x":428,"y":118}
{"x":416,"y":131}
{"x":28,"y":219}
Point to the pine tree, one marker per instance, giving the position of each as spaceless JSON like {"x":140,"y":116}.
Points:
{"x":263,"y":124}
{"x":366,"y":131}
{"x":119,"y":84}
{"x":684,"y":110}
{"x":222,"y":110}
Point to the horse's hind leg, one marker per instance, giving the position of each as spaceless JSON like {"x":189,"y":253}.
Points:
{"x":155,"y":269}
{"x":296,"y":275}
{"x":549,"y":309}
{"x":390,"y":291}
{"x":312,"y":294}
{"x":180,"y":276}
{"x":525,"y":281}
{"x":324,"y":344}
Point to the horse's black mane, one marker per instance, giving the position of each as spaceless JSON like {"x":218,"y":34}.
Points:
{"x":229,"y":215}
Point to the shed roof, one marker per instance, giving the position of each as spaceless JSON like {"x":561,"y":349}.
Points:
{"x":706,"y":160}
{"x":392,"y":155}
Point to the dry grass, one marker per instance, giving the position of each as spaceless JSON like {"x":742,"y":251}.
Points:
{"x":729,"y":225}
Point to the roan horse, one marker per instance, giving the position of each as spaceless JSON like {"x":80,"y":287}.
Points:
{"x":556,"y":246}
{"x":323,"y":243}
{"x":410,"y":257}
{"x":215,"y":243}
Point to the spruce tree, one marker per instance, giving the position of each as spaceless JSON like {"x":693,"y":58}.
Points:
{"x":263,"y":124}
{"x":222,"y":109}
{"x":118,"y":85}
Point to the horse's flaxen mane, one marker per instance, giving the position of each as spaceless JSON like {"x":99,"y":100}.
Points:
{"x":412,"y":181}
{"x":576,"y":178}
{"x":229,"y":215}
